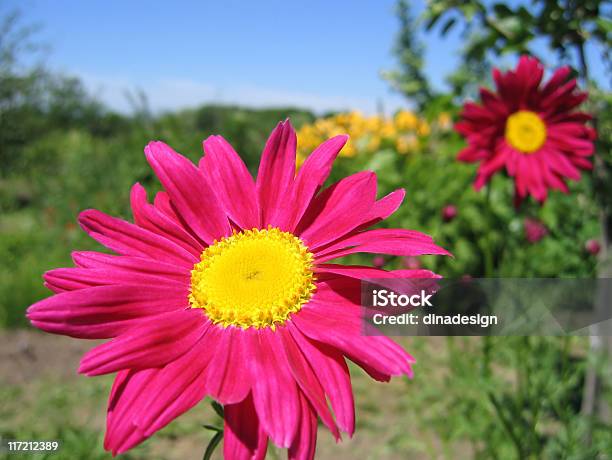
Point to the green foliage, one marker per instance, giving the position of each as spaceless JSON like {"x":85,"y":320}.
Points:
{"x":520,"y":397}
{"x":494,"y":29}
{"x":506,"y":397}
{"x":58,"y":405}
{"x":247,"y":129}
{"x":600,"y":103}
{"x":34,"y":103}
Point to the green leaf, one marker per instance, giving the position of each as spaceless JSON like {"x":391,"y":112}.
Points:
{"x":218,"y":408}
{"x":605,"y":25}
{"x":502,"y":10}
{"x":212,"y":428}
{"x":212,"y":445}
{"x":432,"y":21}
{"x":448,"y":26}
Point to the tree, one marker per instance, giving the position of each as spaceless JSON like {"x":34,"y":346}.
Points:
{"x":409,"y":78}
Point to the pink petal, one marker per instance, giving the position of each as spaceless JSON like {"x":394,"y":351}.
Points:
{"x":244,"y":438}
{"x":179,"y":385}
{"x":310,"y":178}
{"x":305,"y":443}
{"x":103,"y":311}
{"x":362,"y":273}
{"x":334,"y":376}
{"x":152,"y":344}
{"x":131,"y":240}
{"x":192,"y":198}
{"x":489,"y":167}
{"x":555,"y":81}
{"x":373,"y":372}
{"x":229,"y":177}
{"x":276,"y":173}
{"x":230,"y":382}
{"x":338,"y":209}
{"x":309,"y":384}
{"x":121,"y":434}
{"x":338,"y":326}
{"x":275,"y":393}
{"x":558,"y":95}
{"x":554,"y":181}
{"x":562,"y":165}
{"x":562,"y":137}
{"x":382,"y":241}
{"x":384,"y":207}
{"x":132,"y":265}
{"x":492,"y":103}
{"x":162,"y":202}
{"x":338,"y":289}
{"x":471,"y":154}
{"x":582,"y":163}
{"x":70,"y":279}
{"x":142,"y":402}
{"x":149,"y":217}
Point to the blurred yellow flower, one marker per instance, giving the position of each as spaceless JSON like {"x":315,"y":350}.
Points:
{"x":388,"y":129}
{"x":406,"y":120}
{"x":406,"y":144}
{"x":374,"y":143}
{"x":423,"y":129}
{"x":367,"y":134}
{"x":373,"y":123}
{"x":348,"y":150}
{"x":445,"y":122}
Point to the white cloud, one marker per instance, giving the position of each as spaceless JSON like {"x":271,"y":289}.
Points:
{"x":177,"y":93}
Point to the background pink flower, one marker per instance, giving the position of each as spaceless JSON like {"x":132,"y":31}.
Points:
{"x":593,"y":247}
{"x":531,"y":129}
{"x":534,"y":230}
{"x":449,"y":212}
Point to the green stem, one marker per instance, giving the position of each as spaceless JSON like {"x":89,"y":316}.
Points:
{"x":507,"y":424}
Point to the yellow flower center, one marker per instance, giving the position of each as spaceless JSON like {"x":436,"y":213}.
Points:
{"x":525,"y":131}
{"x":255,"y":278}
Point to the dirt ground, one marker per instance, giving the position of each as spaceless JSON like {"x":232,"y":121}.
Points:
{"x":36,"y":363}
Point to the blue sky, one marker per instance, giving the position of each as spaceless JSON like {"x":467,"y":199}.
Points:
{"x":319,"y":54}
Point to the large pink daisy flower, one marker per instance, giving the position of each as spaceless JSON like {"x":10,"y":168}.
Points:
{"x":222,"y":288}
{"x":531,"y":130}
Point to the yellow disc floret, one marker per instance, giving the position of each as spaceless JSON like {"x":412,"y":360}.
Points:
{"x":525,"y":131}
{"x":255,"y":278}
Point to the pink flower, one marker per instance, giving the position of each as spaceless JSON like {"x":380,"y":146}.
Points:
{"x":449,"y":212}
{"x":534,"y":230}
{"x":412,"y":263}
{"x":593,"y":247}
{"x":531,"y":130}
{"x":223,"y":287}
{"x":378,"y":261}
